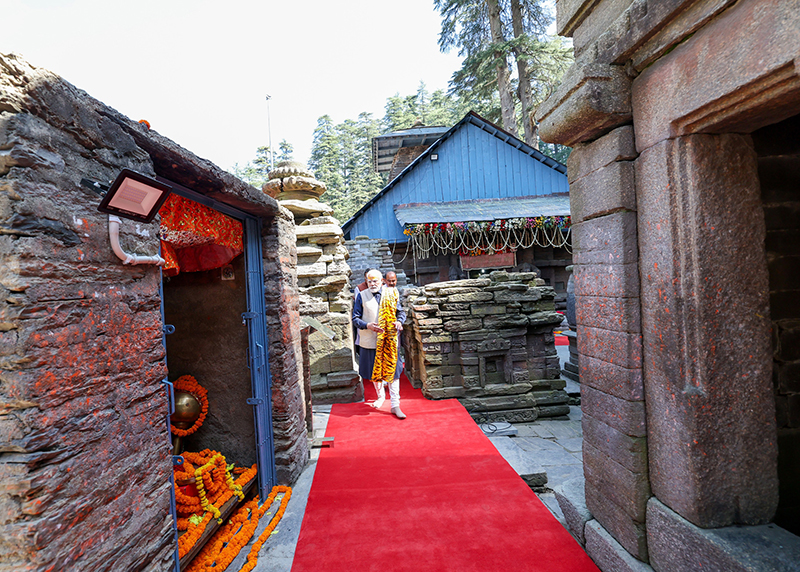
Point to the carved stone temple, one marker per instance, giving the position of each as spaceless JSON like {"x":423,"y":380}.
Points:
{"x":488,"y":342}
{"x":323,"y":282}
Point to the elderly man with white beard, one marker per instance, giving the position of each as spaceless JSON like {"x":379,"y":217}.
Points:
{"x":379,"y":318}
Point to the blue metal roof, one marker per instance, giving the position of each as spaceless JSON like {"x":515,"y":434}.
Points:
{"x":473,"y":160}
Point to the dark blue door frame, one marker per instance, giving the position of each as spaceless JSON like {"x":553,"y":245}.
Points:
{"x":258,"y":347}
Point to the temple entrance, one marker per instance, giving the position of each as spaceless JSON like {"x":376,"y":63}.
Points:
{"x":778,"y":148}
{"x":213,"y":306}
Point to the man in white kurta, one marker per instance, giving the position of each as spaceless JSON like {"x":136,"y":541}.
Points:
{"x":365,"y":318}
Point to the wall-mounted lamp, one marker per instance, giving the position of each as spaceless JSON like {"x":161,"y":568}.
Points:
{"x":134,"y":196}
{"x":434,"y":156}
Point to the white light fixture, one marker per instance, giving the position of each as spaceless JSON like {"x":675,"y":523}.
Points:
{"x":434,"y":156}
{"x":134,"y":196}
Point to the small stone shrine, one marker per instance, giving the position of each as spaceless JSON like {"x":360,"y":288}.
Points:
{"x":488,"y":342}
{"x":323,"y":277}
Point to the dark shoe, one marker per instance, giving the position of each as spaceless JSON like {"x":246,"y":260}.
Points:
{"x":399,"y":414}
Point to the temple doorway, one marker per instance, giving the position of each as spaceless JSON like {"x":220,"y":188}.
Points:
{"x":778,"y":149}
{"x":213,"y":307}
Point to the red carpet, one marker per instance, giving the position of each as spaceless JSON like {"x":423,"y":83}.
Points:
{"x":430,"y":493}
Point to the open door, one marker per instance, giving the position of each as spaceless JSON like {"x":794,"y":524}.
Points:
{"x":214,"y":311}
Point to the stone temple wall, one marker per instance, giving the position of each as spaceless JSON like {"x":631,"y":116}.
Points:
{"x":323,"y":277}
{"x":366,"y":253}
{"x":85,"y":453}
{"x":672,"y":204}
{"x":489,"y":342}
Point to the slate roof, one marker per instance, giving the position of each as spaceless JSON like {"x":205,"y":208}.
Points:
{"x":483,"y":209}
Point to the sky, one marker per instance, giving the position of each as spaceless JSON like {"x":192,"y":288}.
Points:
{"x":199,"y":71}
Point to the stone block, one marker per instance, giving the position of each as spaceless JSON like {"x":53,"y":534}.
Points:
{"x":597,"y":21}
{"x":609,"y":313}
{"x":618,"y":145}
{"x":470,"y":297}
{"x":442,"y":392}
{"x":512,"y":401}
{"x":545,"y":319}
{"x":693,"y":90}
{"x":609,"y":554}
{"x":630,"y":534}
{"x":550,"y":411}
{"x":607,"y":280}
{"x":484,"y":309}
{"x":570,"y":13}
{"x":625,"y":416}
{"x":591,"y":100}
{"x":315,"y":270}
{"x":499,"y":389}
{"x":552,"y":397}
{"x":309,"y":251}
{"x":629,"y":490}
{"x":463,"y":325}
{"x":622,"y":349}
{"x":509,"y":416}
{"x":609,"y":239}
{"x":342,"y":379}
{"x":526,"y":295}
{"x":572,"y":502}
{"x":605,"y":191}
{"x":316,"y":231}
{"x":630,"y":452}
{"x":727,"y":549}
{"x":705,"y":322}
{"x":493,"y":322}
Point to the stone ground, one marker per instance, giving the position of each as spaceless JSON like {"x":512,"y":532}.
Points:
{"x":552,"y":446}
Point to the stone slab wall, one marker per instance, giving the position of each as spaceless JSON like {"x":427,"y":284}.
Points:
{"x":489,"y":342}
{"x":84,"y":445}
{"x":366,"y":253}
{"x":324,"y":277}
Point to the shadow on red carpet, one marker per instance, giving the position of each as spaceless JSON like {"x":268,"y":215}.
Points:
{"x":428,"y":493}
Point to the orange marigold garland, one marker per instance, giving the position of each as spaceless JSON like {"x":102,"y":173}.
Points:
{"x":189,"y":384}
{"x":386,"y":350}
{"x":228,"y":541}
{"x":194,"y":531}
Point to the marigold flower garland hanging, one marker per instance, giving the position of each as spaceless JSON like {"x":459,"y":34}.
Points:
{"x":189,"y":384}
{"x":386,"y":351}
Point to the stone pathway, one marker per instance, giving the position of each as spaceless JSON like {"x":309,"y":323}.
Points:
{"x":546,"y":446}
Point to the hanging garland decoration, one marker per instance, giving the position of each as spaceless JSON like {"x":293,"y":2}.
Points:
{"x":189,"y":384}
{"x":473,"y":238}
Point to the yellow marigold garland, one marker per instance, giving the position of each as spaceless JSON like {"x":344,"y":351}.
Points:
{"x":189,"y":384}
{"x":386,"y":348}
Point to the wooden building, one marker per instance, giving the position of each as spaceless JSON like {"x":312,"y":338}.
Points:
{"x":477,"y":198}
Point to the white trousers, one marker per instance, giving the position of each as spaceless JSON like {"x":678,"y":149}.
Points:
{"x":394,"y":392}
